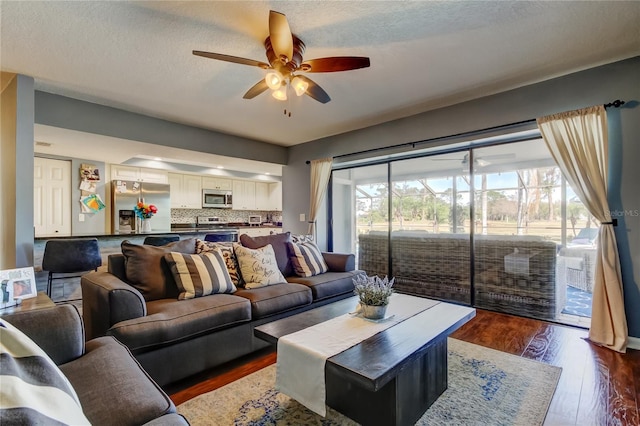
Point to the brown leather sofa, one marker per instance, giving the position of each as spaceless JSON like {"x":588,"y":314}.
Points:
{"x":173,"y":339}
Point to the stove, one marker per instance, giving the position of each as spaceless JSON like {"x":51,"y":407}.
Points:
{"x":211,"y":222}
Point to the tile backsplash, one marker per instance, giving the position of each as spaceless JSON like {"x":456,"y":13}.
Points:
{"x":227,"y":215}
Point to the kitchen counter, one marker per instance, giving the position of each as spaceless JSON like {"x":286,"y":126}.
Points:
{"x":110,"y":243}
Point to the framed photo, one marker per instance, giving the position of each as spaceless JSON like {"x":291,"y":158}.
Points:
{"x":15,"y":285}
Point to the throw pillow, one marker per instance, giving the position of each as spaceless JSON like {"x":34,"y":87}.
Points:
{"x":147,"y":270}
{"x":229,"y":258}
{"x":259,"y":267}
{"x":199,"y":274}
{"x":279,"y":244}
{"x":34,"y":390}
{"x":307,"y":259}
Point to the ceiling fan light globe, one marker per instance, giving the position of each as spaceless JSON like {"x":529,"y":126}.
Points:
{"x":280,"y":94}
{"x":274,"y":80}
{"x":299,"y":85}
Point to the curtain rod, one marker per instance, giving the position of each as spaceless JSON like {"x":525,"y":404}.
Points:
{"x":616,"y":104}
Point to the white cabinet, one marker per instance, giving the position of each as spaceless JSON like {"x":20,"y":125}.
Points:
{"x":275,"y":196}
{"x":138,"y":174}
{"x":262,"y":196}
{"x":244,"y":195}
{"x":186,"y":191}
{"x":257,"y":231}
{"x":51,"y":197}
{"x":216,"y":183}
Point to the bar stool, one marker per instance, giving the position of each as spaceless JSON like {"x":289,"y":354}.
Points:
{"x":160,"y":240}
{"x":67,"y":256}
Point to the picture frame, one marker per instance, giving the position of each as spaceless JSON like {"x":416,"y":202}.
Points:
{"x":15,"y":285}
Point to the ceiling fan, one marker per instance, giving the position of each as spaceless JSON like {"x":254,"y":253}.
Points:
{"x":284,"y":52}
{"x":481,"y":160}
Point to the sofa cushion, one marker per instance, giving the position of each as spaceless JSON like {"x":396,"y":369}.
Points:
{"x":126,"y":395}
{"x":34,"y":390}
{"x":229,"y":257}
{"x":307,"y":259}
{"x":279,"y":244}
{"x":199,"y":275}
{"x":169,"y":321}
{"x":147,"y":270}
{"x":328,"y":284}
{"x":273,"y":299}
{"x":258,"y":267}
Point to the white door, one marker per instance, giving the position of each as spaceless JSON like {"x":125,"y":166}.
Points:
{"x":52,"y":197}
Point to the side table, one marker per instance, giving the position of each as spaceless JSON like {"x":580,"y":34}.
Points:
{"x":38,"y":302}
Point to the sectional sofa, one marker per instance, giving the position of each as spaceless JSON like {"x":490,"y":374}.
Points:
{"x":512,"y":274}
{"x":137,"y":302}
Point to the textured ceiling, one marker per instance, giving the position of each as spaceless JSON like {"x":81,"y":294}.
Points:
{"x":137,"y":55}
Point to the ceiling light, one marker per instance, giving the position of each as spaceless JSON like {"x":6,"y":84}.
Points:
{"x":157,"y":159}
{"x":299,"y":85}
{"x":267,"y":173}
{"x":274,"y":80}
{"x":220,"y":167}
{"x":280,"y":94}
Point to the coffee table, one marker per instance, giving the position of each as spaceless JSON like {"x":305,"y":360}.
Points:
{"x":393,"y":377}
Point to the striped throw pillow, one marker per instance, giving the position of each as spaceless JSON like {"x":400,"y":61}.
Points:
{"x":199,"y":275}
{"x":307,"y":259}
{"x":226,"y":248}
{"x":34,"y":390}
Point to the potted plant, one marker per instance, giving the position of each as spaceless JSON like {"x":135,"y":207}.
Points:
{"x":374,"y":293}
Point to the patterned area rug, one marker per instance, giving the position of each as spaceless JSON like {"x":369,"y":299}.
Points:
{"x":578,"y":303}
{"x":486,"y":387}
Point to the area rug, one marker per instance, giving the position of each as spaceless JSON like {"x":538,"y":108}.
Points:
{"x":486,"y":387}
{"x":578,"y":303}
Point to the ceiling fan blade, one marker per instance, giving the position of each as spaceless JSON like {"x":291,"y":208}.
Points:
{"x":335,"y":63}
{"x":234,"y":59}
{"x":257,"y":88}
{"x":314,"y":91}
{"x":280,"y":34}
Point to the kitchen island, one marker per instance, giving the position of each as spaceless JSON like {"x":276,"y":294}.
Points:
{"x":110,"y":243}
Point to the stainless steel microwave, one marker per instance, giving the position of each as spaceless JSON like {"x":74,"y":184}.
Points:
{"x":217,"y":198}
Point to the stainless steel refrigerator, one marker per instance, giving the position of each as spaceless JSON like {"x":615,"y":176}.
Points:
{"x":126,"y":194}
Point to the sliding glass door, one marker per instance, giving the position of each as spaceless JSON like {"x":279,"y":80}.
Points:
{"x":430,"y":252}
{"x":494,"y":226}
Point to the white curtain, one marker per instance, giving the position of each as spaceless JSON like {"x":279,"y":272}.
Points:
{"x":320,"y":173}
{"x":578,"y":142}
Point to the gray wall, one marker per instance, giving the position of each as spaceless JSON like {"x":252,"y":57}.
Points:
{"x":620,"y":80}
{"x":68,"y":113}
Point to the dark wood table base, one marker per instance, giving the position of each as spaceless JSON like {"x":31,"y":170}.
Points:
{"x":401,"y":401}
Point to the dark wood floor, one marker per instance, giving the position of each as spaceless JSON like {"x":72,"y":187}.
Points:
{"x":597,"y":386}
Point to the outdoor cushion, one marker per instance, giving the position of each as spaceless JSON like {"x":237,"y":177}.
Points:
{"x":126,"y":395}
{"x":328,"y":284}
{"x":276,"y":298}
{"x":170,"y":321}
{"x":147,"y":270}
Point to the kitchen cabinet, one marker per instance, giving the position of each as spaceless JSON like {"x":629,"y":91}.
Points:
{"x":185,"y":190}
{"x":216,"y":183}
{"x":269,"y":196}
{"x":275,"y":196}
{"x":244,"y":195}
{"x":51,"y":197}
{"x":262,"y":196}
{"x":138,"y":174}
